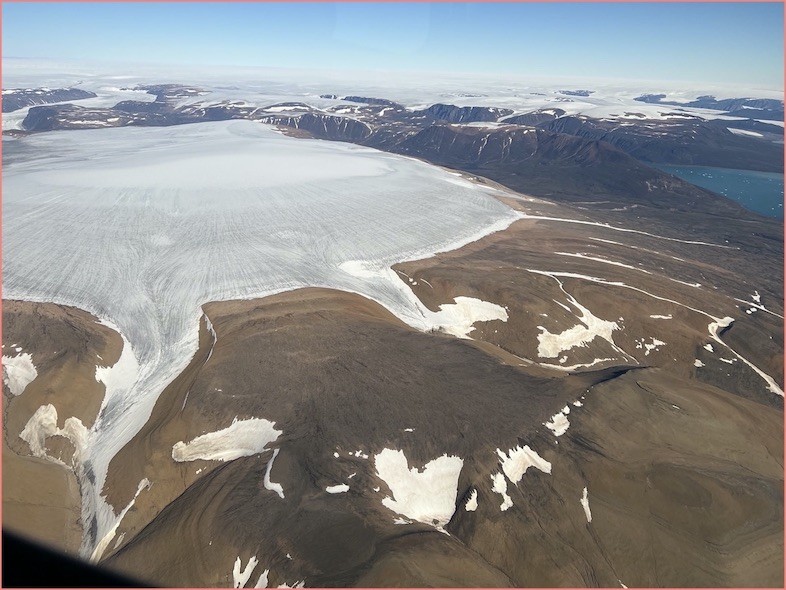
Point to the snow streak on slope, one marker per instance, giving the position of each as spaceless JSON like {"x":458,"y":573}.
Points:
{"x":143,"y":226}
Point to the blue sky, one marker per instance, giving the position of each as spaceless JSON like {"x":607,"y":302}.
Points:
{"x":717,"y":43}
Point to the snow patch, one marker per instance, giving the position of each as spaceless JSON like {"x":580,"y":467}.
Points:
{"x":241,"y":439}
{"x":18,"y":371}
{"x":269,"y":485}
{"x":337,"y":489}
{"x":43,"y":424}
{"x":698,"y":363}
{"x":590,"y":327}
{"x":558,"y":424}
{"x":744,"y":132}
{"x":500,"y":486}
{"x":457,"y":318}
{"x":241,"y":577}
{"x":585,"y":504}
{"x":472,"y":502}
{"x":649,"y":347}
{"x":428,"y":496}
{"x":517,"y":460}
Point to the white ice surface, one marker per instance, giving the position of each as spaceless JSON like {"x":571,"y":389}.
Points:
{"x":240,"y":439}
{"x":262,"y":580}
{"x":143,"y":226}
{"x":337,"y":489}
{"x":428,"y":496}
{"x":18,"y":372}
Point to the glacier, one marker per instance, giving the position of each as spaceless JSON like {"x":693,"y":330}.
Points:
{"x":141,"y":226}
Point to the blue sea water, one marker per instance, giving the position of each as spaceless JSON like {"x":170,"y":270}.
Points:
{"x":761,"y":192}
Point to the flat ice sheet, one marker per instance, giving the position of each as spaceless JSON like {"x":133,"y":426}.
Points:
{"x":143,"y":225}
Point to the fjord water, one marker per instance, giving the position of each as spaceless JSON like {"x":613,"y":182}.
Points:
{"x":761,"y":192}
